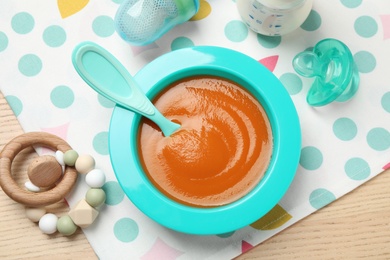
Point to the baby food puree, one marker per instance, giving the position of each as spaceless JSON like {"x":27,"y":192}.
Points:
{"x":222,"y":149}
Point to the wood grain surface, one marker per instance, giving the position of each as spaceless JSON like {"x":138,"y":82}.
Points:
{"x":355,"y":226}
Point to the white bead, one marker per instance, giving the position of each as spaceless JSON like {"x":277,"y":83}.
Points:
{"x":31,"y":187}
{"x":60,"y":157}
{"x":48,"y":223}
{"x":95,"y":178}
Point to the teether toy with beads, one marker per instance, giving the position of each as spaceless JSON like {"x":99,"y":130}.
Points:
{"x":48,"y":185}
{"x":332,"y":65}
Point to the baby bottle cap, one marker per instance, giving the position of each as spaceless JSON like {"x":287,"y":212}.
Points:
{"x":141,"y":22}
{"x":336,"y":75}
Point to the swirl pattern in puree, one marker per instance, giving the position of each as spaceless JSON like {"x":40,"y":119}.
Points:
{"x":222,"y":149}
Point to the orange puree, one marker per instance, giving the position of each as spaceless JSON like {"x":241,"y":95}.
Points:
{"x":220,"y":152}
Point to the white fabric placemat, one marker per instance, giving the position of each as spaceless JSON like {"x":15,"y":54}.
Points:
{"x":343,"y":144}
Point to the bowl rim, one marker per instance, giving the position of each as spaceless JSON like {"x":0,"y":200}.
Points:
{"x":203,"y":60}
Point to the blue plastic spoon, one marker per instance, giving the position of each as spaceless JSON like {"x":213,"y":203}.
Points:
{"x":107,"y":76}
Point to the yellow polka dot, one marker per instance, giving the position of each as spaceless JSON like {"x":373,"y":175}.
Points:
{"x":204,"y":11}
{"x":68,"y":8}
{"x":273,"y":219}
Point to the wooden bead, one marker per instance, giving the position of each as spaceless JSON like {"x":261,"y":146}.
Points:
{"x":83,"y":214}
{"x":44,"y":171}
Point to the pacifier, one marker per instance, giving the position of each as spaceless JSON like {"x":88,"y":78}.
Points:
{"x":332,"y":65}
{"x":141,"y":22}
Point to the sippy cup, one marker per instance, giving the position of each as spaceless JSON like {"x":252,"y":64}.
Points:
{"x":274,"y":17}
{"x":141,"y":22}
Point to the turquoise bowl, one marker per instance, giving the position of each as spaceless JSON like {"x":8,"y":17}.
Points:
{"x":269,"y":91}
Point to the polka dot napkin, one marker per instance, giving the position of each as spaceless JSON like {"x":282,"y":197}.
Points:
{"x":343,"y":146}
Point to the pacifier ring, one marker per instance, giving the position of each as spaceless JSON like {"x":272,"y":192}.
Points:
{"x":27,"y":198}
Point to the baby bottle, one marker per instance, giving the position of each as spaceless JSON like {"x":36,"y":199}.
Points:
{"x":274,"y":17}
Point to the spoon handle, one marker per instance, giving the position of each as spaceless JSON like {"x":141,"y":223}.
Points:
{"x":107,"y":76}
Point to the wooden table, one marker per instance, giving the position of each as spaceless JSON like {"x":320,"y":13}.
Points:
{"x":356,"y":225}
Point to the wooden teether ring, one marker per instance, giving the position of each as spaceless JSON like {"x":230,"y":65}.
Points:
{"x":32,"y":199}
